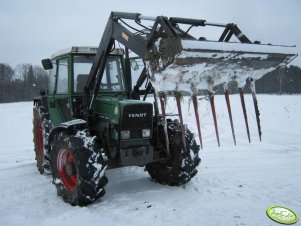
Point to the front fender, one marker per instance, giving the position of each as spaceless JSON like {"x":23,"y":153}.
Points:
{"x":67,"y":126}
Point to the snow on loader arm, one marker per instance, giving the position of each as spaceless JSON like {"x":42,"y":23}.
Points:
{"x":185,"y":65}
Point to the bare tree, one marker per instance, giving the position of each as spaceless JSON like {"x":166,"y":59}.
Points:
{"x":6,"y":75}
{"x":21,"y":70}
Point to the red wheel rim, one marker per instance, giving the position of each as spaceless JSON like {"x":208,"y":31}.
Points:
{"x":66,"y":169}
{"x":40,"y":140}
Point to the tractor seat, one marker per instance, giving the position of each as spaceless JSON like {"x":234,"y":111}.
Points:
{"x":81,"y":82}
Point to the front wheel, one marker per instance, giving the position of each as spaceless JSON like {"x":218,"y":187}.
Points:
{"x":78,"y":168}
{"x":181,"y":166}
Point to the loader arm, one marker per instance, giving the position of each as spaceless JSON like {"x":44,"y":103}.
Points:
{"x":113,"y":31}
{"x":116,"y":30}
{"x":178,"y":63}
{"x":172,"y":42}
{"x":143,"y":46}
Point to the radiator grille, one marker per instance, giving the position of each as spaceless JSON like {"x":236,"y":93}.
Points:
{"x":137,"y":117}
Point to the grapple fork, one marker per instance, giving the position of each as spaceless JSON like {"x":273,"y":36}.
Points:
{"x":183,"y":65}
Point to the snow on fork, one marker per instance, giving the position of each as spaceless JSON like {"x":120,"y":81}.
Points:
{"x":200,"y":65}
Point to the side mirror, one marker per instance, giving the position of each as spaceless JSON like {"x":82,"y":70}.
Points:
{"x":134,"y":65}
{"x":47,"y":64}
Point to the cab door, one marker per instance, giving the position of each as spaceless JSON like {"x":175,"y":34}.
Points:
{"x":59,"y":102}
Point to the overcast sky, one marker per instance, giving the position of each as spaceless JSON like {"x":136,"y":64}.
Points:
{"x":34,"y":29}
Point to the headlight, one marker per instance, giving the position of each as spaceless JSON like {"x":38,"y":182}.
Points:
{"x":146,"y":133}
{"x":125,"y":134}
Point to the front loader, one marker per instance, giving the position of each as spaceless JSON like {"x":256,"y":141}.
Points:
{"x":97,"y":114}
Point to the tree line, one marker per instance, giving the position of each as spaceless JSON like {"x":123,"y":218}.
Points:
{"x":284,"y":80}
{"x":25,"y":81}
{"x":22,"y":83}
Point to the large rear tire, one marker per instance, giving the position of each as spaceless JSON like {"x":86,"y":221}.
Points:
{"x":41,"y":129}
{"x":78,"y":168}
{"x":181,"y":166}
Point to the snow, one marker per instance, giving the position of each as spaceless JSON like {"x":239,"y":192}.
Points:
{"x":235,"y":184}
{"x":238,"y":47}
{"x":202,"y":64}
{"x":203,"y":76}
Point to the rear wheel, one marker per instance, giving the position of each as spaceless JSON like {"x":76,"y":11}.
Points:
{"x":181,"y":166}
{"x":41,"y":129}
{"x":78,"y":168}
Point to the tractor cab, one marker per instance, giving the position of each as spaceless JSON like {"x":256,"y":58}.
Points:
{"x":119,"y":121}
{"x":68,"y":74}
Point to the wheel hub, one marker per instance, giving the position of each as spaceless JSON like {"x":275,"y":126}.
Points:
{"x":70,"y":169}
{"x":66,"y":169}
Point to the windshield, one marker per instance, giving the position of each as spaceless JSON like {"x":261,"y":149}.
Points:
{"x":112,"y":79}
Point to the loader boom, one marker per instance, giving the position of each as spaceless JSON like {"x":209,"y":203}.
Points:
{"x":143,"y":46}
{"x":180,"y":64}
{"x":173,"y":40}
{"x":113,"y":31}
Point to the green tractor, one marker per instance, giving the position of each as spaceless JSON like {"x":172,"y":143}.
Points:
{"x":104,"y":109}
{"x":78,"y":145}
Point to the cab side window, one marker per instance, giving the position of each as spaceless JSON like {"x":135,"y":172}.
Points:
{"x":62,"y":77}
{"x":51,"y":78}
{"x":81,"y":69}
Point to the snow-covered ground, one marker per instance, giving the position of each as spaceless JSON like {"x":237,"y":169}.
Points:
{"x":235,"y":184}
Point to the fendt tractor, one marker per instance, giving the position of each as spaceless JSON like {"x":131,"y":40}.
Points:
{"x":98,"y":113}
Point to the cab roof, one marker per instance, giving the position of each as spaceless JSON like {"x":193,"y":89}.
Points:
{"x":83,"y":50}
